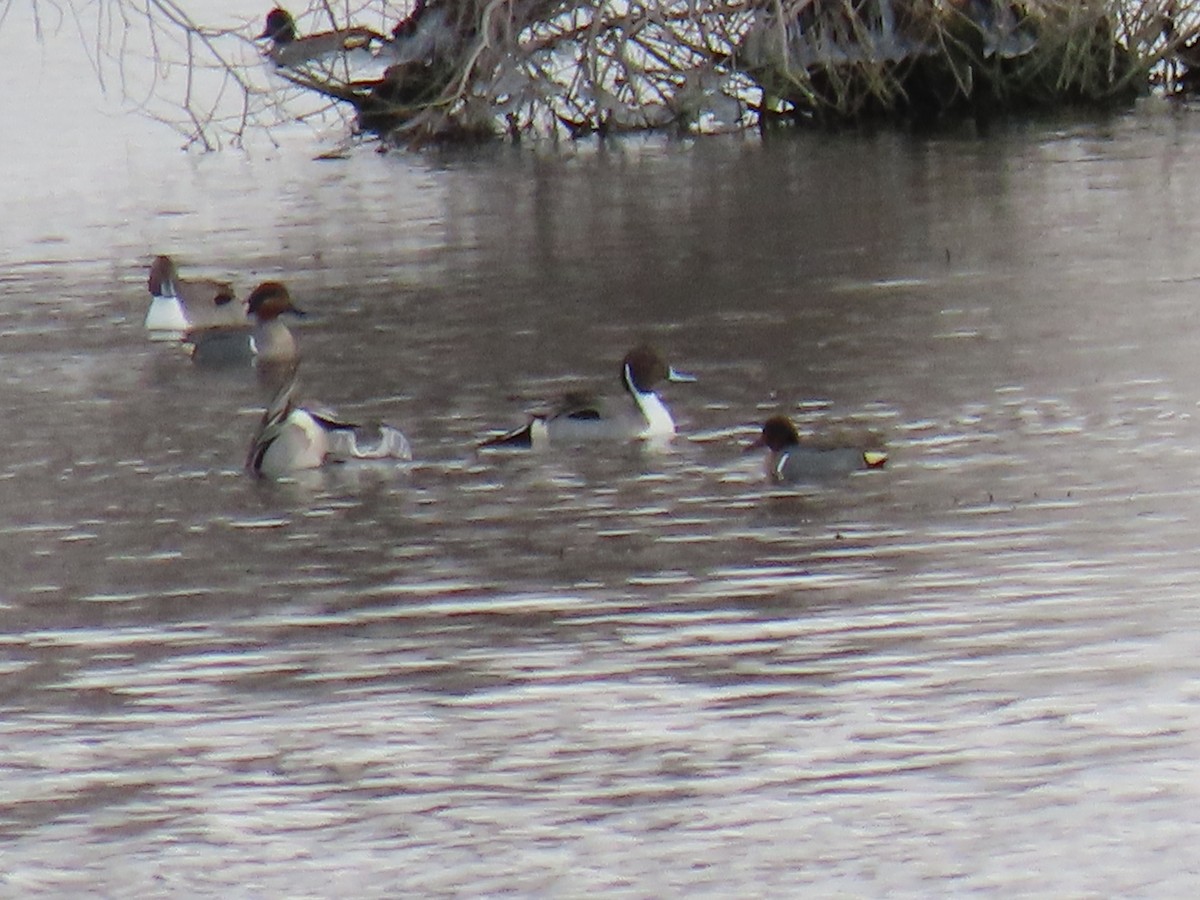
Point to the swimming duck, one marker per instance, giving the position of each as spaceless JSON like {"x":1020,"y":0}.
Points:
{"x":789,"y":461}
{"x":580,"y":418}
{"x":178,"y":304}
{"x":291,"y":438}
{"x":289,"y":49}
{"x":268,"y":340}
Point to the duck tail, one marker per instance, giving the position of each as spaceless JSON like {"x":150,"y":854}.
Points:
{"x":519,"y":438}
{"x":359,"y":38}
{"x":875,"y":459}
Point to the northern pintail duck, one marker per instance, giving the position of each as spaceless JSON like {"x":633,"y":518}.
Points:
{"x":268,"y":340}
{"x":292,"y":438}
{"x":580,"y":418}
{"x":288,"y":48}
{"x":178,"y":304}
{"x":789,"y":461}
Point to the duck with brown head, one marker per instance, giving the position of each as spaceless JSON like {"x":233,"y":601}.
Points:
{"x":789,"y":460}
{"x":178,"y":304}
{"x":289,"y":48}
{"x":267,"y":341}
{"x":271,"y":340}
{"x":582,"y":418}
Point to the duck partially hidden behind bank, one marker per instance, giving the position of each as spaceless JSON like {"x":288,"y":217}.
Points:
{"x":288,"y":48}
{"x":788,"y":460}
{"x":581,"y":418}
{"x":292,"y":438}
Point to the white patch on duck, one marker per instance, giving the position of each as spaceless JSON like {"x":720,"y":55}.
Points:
{"x":166,"y":314}
{"x":539,"y":434}
{"x":776,"y":470}
{"x":658,"y":418}
{"x":312,"y":455}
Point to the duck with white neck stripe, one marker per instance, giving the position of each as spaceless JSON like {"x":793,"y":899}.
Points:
{"x":581,"y":418}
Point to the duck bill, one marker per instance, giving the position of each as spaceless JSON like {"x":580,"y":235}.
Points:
{"x":297,"y":311}
{"x":679,"y":377}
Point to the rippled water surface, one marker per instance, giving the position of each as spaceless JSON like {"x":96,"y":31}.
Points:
{"x":627,"y":671}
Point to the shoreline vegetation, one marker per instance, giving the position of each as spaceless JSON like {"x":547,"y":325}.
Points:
{"x":419,"y":71}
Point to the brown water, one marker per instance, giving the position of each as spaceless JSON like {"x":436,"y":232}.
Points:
{"x":622,"y":671}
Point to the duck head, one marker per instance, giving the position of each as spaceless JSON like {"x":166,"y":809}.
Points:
{"x":778,"y":433}
{"x":162,"y":277}
{"x":643,"y":368}
{"x":280,"y":27}
{"x":270,"y":300}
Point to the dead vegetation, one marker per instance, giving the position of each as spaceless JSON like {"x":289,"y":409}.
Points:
{"x":465,"y":69}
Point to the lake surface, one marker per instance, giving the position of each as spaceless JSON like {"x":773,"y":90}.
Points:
{"x":619,"y":671}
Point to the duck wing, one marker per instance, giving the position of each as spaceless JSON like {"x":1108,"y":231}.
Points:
{"x":368,"y":440}
{"x":580,"y":406}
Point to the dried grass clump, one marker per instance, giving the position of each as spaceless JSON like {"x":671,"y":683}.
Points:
{"x":525,"y":67}
{"x":532,"y":66}
{"x":849,"y":59}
